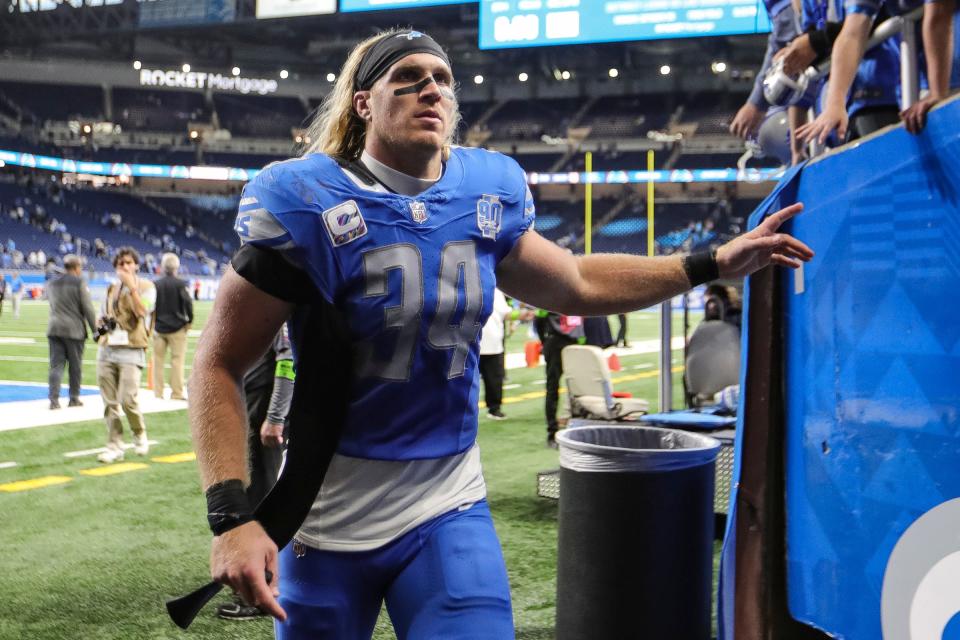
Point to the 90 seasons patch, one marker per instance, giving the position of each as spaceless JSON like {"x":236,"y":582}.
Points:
{"x":344,"y":223}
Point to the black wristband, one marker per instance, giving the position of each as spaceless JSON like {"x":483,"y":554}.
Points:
{"x":227,"y":506}
{"x":701,"y":267}
{"x":820,"y":43}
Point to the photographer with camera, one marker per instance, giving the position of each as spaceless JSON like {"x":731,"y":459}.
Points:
{"x":123,"y":335}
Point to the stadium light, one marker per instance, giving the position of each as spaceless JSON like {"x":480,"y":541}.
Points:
{"x":613,"y":73}
{"x":718,"y":67}
{"x":565,"y":75}
{"x":665,"y":70}
{"x":236,"y":71}
{"x":331,"y":77}
{"x":284,"y":74}
{"x":87,"y":128}
{"x":194,"y":134}
{"x":186,"y":67}
{"x":523,"y":77}
{"x":478,"y":79}
{"x":137,"y":65}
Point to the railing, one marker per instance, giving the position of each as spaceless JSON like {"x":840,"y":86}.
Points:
{"x":904,"y":25}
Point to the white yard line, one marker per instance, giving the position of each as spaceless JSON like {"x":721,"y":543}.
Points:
{"x":27,"y":414}
{"x":7,"y":465}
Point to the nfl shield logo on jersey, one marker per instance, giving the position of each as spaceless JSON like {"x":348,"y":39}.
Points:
{"x":344,"y":223}
{"x":489,"y":215}
{"x":418,"y":211}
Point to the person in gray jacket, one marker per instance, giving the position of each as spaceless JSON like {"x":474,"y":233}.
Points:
{"x":71,"y":312}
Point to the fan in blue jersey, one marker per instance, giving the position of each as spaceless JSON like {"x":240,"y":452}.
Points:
{"x":872,"y":100}
{"x":387,"y":224}
{"x":746,"y":123}
{"x":937,"y":35}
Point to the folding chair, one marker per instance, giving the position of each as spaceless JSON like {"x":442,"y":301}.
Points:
{"x":590,"y":388}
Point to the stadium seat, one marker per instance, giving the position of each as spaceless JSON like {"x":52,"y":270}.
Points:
{"x":590,"y":388}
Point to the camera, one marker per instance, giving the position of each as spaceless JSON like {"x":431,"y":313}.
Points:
{"x":106,"y":326}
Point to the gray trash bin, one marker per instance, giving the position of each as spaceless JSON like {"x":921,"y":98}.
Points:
{"x":635,"y":534}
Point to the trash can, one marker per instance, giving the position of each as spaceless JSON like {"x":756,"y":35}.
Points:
{"x":636,"y":520}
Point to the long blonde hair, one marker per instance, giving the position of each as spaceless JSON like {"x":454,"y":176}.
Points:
{"x":336,"y":129}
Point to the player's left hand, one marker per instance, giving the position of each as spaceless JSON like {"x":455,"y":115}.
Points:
{"x":831,"y":118}
{"x":271,"y":434}
{"x":764,"y":245}
{"x":915,"y":116}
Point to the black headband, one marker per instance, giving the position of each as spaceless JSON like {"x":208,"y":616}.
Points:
{"x":381,"y":56}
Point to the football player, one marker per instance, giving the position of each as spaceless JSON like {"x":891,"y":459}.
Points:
{"x":405,"y":236}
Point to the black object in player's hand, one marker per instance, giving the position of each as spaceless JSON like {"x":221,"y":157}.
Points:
{"x":321,"y":336}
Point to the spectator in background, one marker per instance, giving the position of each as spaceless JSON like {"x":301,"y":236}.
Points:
{"x":173,"y":317}
{"x":267,"y":391}
{"x":621,"y":340}
{"x":491,"y":355}
{"x":18,"y":288}
{"x":784,"y":29}
{"x":50,"y":269}
{"x":122,"y":353}
{"x":71,"y":312}
{"x":848,"y":51}
{"x":556,"y":332}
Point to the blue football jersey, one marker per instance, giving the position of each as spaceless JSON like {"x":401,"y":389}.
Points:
{"x":414,"y":277}
{"x":877,"y":82}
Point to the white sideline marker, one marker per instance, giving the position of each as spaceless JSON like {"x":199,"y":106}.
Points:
{"x":92,"y":452}
{"x":7,"y":465}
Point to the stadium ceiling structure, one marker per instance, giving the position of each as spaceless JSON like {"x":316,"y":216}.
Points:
{"x":317,"y":45}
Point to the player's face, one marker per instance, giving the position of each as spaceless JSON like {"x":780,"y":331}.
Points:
{"x":413,"y":104}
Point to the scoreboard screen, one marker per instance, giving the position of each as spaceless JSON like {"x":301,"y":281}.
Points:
{"x":535,"y":23}
{"x":290,"y":8}
{"x":347,"y":6}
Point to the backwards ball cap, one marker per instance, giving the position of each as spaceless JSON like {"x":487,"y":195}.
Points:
{"x":388,"y":50}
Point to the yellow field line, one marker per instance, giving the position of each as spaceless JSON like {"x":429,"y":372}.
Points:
{"x":114,"y":469}
{"x":35,"y":483}
{"x":533,"y":395}
{"x":177,"y":457}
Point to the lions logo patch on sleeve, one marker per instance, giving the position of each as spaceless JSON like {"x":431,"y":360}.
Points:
{"x":344,"y":223}
{"x":489,"y":215}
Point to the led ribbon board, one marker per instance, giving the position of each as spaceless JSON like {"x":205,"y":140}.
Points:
{"x":347,"y":6}
{"x":535,"y":23}
{"x":66,"y":165}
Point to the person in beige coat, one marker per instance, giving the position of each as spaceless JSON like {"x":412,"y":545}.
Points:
{"x":122,"y":353}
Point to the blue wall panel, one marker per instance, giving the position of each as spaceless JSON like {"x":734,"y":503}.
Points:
{"x":872,"y":368}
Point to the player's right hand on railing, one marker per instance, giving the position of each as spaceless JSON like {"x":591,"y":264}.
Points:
{"x":240,"y":559}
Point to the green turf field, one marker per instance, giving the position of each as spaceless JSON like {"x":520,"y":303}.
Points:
{"x":96,"y":556}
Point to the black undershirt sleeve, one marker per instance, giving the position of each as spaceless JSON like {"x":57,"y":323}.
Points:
{"x":821,"y":40}
{"x":268,"y":271}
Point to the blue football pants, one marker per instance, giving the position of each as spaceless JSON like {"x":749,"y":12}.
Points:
{"x":446,"y":580}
